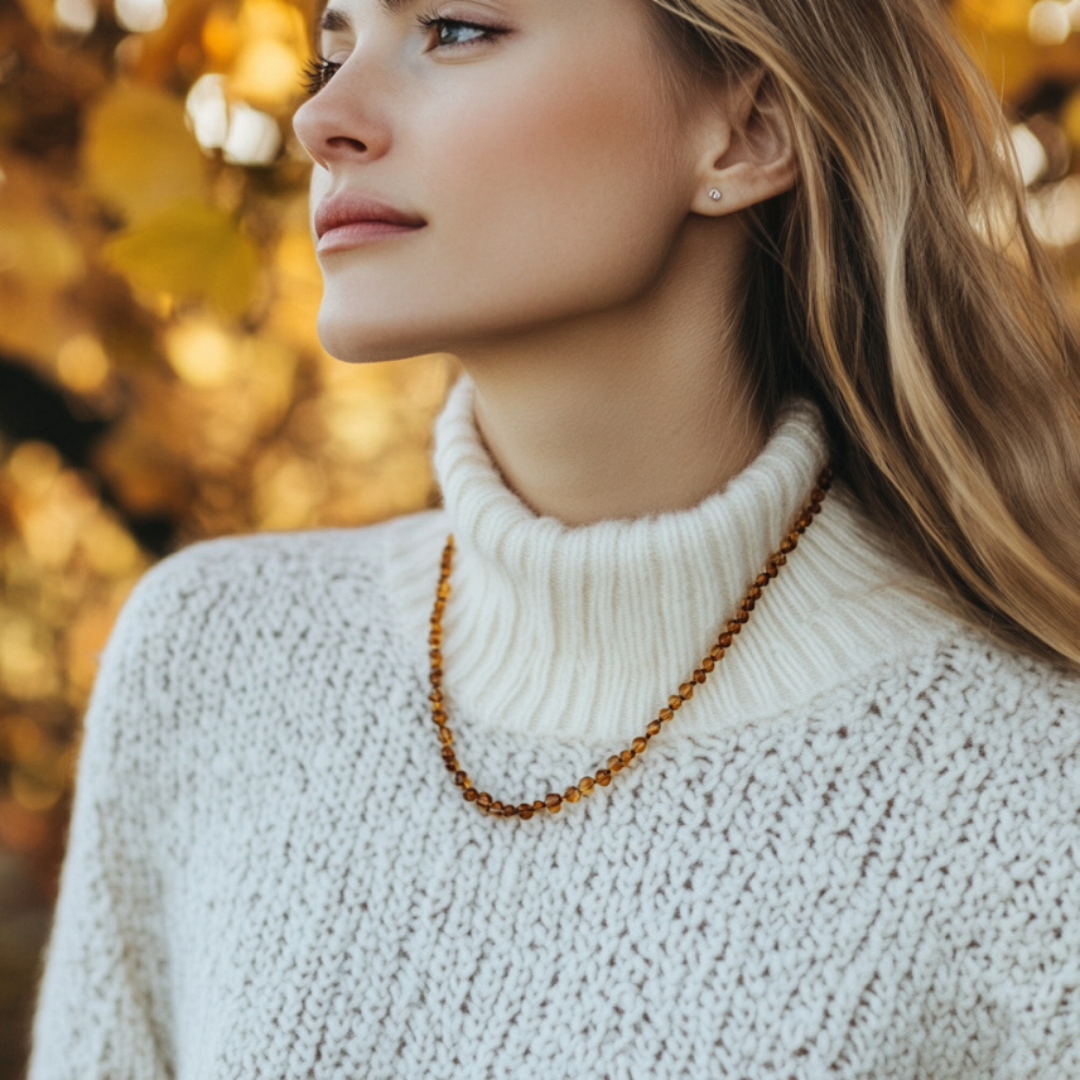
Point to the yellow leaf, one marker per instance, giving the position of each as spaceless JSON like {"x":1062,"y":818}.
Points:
{"x":37,"y":249}
{"x":192,"y":251}
{"x":1070,"y":118}
{"x":40,"y":13}
{"x":40,"y":259}
{"x":138,"y":152}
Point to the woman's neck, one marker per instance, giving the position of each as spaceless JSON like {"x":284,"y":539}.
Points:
{"x":626,"y":413}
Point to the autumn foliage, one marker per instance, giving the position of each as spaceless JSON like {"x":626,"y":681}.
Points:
{"x":160,"y":376}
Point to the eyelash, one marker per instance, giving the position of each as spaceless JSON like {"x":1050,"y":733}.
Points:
{"x":318,"y":71}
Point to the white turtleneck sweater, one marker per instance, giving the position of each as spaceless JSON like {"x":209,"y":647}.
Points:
{"x":855,"y":853}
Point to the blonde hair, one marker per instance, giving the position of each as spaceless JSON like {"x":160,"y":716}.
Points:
{"x":899,"y":284}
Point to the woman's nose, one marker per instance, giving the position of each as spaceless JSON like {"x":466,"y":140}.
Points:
{"x":338,"y":124}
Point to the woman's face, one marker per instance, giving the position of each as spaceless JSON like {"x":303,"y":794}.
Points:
{"x":535,"y":139}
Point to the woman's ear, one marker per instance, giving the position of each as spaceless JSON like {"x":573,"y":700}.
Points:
{"x":747,"y":147}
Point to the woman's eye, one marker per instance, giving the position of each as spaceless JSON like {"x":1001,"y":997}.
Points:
{"x":452,"y":33}
{"x":316,"y":73}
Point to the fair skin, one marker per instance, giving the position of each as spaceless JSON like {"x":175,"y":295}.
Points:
{"x":571,"y":257}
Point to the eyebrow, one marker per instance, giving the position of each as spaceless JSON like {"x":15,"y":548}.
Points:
{"x":334,"y":20}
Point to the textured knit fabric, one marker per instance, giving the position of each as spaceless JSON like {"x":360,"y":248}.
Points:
{"x":855,"y":853}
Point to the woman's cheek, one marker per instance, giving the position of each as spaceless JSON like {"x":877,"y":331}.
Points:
{"x":562,"y":152}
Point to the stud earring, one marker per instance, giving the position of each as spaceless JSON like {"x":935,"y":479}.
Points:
{"x":713,"y":193}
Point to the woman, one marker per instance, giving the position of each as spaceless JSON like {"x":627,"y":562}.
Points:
{"x":747,"y":773}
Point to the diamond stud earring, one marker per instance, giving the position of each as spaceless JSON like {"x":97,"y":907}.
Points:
{"x":713,"y":193}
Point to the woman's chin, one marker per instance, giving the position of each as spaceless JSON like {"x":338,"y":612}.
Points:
{"x":358,"y":341}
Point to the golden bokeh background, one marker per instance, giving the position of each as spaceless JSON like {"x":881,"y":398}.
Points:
{"x":160,"y":376}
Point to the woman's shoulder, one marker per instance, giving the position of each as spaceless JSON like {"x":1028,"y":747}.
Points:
{"x":1029,"y":705}
{"x":224,"y":587}
{"x":272,"y":561}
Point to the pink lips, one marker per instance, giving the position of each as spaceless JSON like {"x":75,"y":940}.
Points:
{"x":347,"y":219}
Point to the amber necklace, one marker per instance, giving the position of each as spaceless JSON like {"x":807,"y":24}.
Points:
{"x":617,"y":762}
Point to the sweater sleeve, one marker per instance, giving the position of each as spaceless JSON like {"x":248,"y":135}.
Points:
{"x":101,"y":1009}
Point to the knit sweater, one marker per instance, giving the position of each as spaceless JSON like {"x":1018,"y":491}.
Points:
{"x":854,"y":853}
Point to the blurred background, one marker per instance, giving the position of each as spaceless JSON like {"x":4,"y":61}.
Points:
{"x":160,"y":376}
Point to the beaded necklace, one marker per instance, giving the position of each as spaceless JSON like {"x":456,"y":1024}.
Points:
{"x":553,"y":802}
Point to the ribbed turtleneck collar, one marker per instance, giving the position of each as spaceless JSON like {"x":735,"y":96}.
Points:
{"x":584,"y":631}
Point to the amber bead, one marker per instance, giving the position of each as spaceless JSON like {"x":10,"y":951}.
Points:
{"x":614,"y":763}
{"x":539,"y":804}
{"x":496,"y":807}
{"x":451,"y":765}
{"x":443,"y":590}
{"x":439,"y":716}
{"x":446,"y":736}
{"x":707,"y":664}
{"x":639,"y":745}
{"x":734,"y":626}
{"x":754,"y":592}
{"x":435,"y":697}
{"x":553,"y":802}
{"x":603,"y":777}
{"x":762,"y":580}
{"x":675,"y":702}
{"x":484,"y":799}
{"x":817,"y":495}
{"x":460,"y":778}
{"x":686,"y":691}
{"x":572,"y":794}
{"x":627,"y":756}
{"x":786,"y":545}
{"x":747,"y":604}
{"x":509,"y":811}
{"x":471,"y":795}
{"x":773,"y":568}
{"x":716,"y":652}
{"x":447,"y":752}
{"x":667,"y":714}
{"x":700,"y":676}
{"x":742,"y":618}
{"x":585,"y":785}
{"x":781,"y":560}
{"x":726,"y":639}
{"x":525,"y":811}
{"x":654,"y":727}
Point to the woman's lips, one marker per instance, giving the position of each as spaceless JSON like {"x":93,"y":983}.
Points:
{"x":354,"y":233}
{"x":351,"y":218}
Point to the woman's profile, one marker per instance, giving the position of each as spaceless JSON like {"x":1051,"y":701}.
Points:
{"x":725,"y":718}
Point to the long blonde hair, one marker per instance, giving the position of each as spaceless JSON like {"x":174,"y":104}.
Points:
{"x":899,"y":284}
